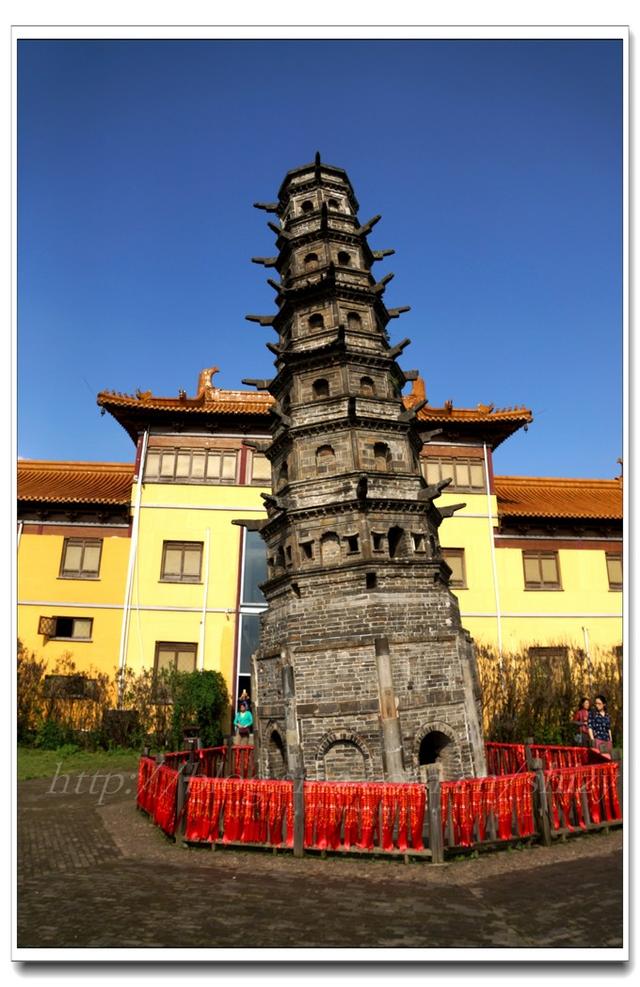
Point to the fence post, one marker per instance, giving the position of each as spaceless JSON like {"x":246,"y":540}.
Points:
{"x":181,"y":797}
{"x":436,"y":843}
{"x":298,"y":814}
{"x":541,"y":802}
{"x":527,"y":752}
{"x":616,"y":755}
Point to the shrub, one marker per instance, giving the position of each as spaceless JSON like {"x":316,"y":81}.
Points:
{"x":200,"y":699}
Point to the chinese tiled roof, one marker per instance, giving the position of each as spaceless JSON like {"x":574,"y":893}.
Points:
{"x":44,"y":481}
{"x":209,"y":400}
{"x":528,"y":496}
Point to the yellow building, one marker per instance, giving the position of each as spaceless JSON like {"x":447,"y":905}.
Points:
{"x":536,"y":563}
{"x":73,"y":549}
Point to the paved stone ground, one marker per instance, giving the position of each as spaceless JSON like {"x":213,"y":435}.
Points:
{"x":95,"y":872}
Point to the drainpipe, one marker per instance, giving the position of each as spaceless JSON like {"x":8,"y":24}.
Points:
{"x":205,"y":597}
{"x":124,"y":635}
{"x":496,"y":589}
{"x":20,"y":527}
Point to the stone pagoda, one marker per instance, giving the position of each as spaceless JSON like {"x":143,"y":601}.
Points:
{"x":363,"y":670}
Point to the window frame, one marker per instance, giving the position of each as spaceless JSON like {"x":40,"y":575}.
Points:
{"x":452,"y":462}
{"x":614,"y":587}
{"x":175,"y":451}
{"x":458,"y":553}
{"x":176,"y":646}
{"x":81,"y":573}
{"x":539,"y":555}
{"x":259,"y":482}
{"x":170,"y":545}
{"x":72,"y":637}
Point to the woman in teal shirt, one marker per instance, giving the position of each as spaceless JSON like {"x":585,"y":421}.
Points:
{"x":243,"y":723}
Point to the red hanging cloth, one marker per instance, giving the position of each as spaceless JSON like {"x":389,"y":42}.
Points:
{"x":352,"y":815}
{"x":389,"y":810}
{"x":417,"y":806}
{"x":370,"y":802}
{"x":503,"y":805}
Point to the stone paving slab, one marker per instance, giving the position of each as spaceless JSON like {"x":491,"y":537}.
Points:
{"x":101,"y":875}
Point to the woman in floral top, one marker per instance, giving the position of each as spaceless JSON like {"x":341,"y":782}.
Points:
{"x":600,"y":725}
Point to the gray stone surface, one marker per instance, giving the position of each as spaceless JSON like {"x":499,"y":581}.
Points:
{"x":102,"y":876}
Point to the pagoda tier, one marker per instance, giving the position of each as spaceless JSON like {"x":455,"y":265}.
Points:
{"x":363,"y":668}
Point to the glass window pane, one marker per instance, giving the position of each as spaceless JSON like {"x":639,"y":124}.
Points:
{"x":531,"y":569}
{"x":614,"y":567}
{"x":255,"y":567}
{"x":462,"y":475}
{"x":152,"y":465}
{"x":197,"y":465}
{"x":213,"y":465}
{"x":183,"y":463}
{"x":186,"y":660}
{"x":249,"y":640}
{"x":167,"y":463}
{"x":261,"y":469}
{"x":549,"y":570}
{"x":432,"y":472}
{"x":229,"y":466}
{"x":81,"y":627}
{"x":72,"y":558}
{"x":446,"y":469}
{"x":454,"y":561}
{"x":172,"y":562}
{"x":477,"y":475}
{"x":191,"y":565}
{"x":91,"y":561}
{"x":166,"y":658}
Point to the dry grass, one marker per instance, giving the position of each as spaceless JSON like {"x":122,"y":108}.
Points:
{"x":526,"y":696}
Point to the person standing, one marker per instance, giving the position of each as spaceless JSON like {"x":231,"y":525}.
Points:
{"x":243,"y":724}
{"x":599,"y":724}
{"x":581,"y":722}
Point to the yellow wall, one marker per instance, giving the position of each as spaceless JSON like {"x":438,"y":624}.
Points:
{"x":528,"y":617}
{"x":43,"y":593}
{"x":162,"y":611}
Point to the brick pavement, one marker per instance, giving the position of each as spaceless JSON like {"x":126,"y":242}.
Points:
{"x":94,"y":872}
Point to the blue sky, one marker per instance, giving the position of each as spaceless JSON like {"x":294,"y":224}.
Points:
{"x":497,"y":167}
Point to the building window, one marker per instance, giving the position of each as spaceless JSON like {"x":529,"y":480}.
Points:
{"x":333,"y":204}
{"x":254,"y":569}
{"x":66,"y":628}
{"x":419,"y":541}
{"x":454,"y":557}
{"x":344,"y":258}
{"x":81,"y":558}
{"x":353,"y":544}
{"x":175,"y":655}
{"x":353,"y":320}
{"x":541,"y":570}
{"x":466,"y":474}
{"x":191,"y":465}
{"x":382,"y":457}
{"x":311,"y":260}
{"x":614,"y":570}
{"x":260,"y":470}
{"x":316,"y":321}
{"x":307,"y":206}
{"x":320,"y":388}
{"x":181,"y":561}
{"x":367,"y":387}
